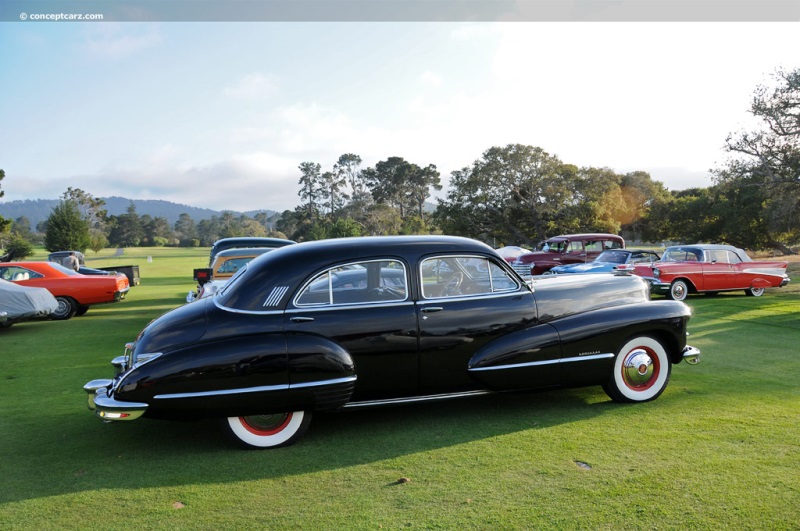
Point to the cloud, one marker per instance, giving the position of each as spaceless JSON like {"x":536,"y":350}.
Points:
{"x":251,"y":87}
{"x":113,"y":40}
{"x":431,"y":79}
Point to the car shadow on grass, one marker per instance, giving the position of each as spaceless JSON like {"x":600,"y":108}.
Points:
{"x":83,"y":454}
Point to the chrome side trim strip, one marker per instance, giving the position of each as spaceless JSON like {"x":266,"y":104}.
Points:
{"x":259,"y":389}
{"x":335,"y":381}
{"x":545,"y":362}
{"x":412,"y":399}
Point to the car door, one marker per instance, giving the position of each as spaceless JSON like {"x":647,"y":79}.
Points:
{"x":718,"y":273}
{"x":466,"y":302}
{"x":575,"y":253}
{"x":366,"y":308}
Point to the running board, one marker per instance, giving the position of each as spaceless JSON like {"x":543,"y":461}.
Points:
{"x":413,"y":399}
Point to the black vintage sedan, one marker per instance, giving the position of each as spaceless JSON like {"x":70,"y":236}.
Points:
{"x":358,"y":322}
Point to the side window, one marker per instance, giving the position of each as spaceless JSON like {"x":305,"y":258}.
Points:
{"x":721,"y":257}
{"x":642,"y":258}
{"x":357,"y":283}
{"x":733,"y":258}
{"x":612,"y":244}
{"x":457,"y":276}
{"x":595,"y":246}
{"x":575,"y":247}
{"x":13,"y":273}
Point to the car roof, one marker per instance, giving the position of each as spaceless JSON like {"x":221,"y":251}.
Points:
{"x":589,"y":235}
{"x":706,"y":247}
{"x":244,"y":251}
{"x":250,"y":241}
{"x":291,"y":265}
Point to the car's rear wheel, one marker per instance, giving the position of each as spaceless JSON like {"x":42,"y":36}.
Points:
{"x":267,"y":431}
{"x":754,"y":292}
{"x":641,"y":371}
{"x":678,"y":290}
{"x":66,"y":309}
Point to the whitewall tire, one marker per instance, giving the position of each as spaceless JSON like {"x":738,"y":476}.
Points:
{"x":268,"y":431}
{"x":641,"y":371}
{"x":678,"y":290}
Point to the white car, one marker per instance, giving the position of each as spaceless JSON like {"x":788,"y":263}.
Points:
{"x":23,"y":303}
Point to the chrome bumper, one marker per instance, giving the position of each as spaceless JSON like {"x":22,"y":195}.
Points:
{"x":691,"y":355}
{"x":656,"y":286}
{"x":106,"y":407}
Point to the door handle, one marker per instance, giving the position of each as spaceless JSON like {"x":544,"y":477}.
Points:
{"x":431,"y":309}
{"x":301,"y":319}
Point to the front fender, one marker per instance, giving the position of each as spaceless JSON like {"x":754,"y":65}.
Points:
{"x":603,"y":331}
{"x":524,"y":359}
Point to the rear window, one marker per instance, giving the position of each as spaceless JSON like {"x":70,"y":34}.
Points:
{"x":369,"y":282}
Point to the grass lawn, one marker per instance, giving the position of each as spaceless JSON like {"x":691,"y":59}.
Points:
{"x":719,"y":449}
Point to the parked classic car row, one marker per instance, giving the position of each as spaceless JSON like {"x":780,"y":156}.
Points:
{"x":226,"y":262}
{"x":358,"y":322}
{"x":703,"y":268}
{"x":609,"y":262}
{"x":20,"y":303}
{"x":682,"y":270}
{"x":74,"y":292}
{"x":566,"y":249}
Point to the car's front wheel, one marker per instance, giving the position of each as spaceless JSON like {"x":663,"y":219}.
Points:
{"x":754,"y":292}
{"x":268,"y":431}
{"x":678,"y":290}
{"x":641,"y":371}
{"x":66,"y":309}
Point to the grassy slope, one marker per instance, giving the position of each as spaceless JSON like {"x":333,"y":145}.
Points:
{"x":718,"y":449}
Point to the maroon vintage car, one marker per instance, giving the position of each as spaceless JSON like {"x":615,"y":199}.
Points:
{"x":704,"y":268}
{"x":566,"y":249}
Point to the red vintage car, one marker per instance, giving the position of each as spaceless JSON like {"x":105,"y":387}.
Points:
{"x":704,"y":268}
{"x":73,"y":291}
{"x":566,"y":249}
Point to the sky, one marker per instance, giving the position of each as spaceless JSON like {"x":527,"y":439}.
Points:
{"x":221,"y":114}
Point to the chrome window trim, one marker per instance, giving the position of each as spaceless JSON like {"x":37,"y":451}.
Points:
{"x":514,"y":290}
{"x":258,"y":389}
{"x":461,"y":298}
{"x":354,"y":306}
{"x":331,"y":304}
{"x":216,"y":302}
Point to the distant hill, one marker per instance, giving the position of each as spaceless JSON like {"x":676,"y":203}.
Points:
{"x":38,"y":210}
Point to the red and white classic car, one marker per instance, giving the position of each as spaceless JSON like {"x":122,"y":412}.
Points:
{"x":704,"y":268}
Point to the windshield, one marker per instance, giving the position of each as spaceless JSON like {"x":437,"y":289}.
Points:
{"x":682,"y":254}
{"x":553,"y":247}
{"x":65,"y":270}
{"x":613,"y":257}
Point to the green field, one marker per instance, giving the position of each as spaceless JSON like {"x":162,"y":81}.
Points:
{"x":718,"y":450}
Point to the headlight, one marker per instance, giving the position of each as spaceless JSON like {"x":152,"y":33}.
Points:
{"x":656,"y":272}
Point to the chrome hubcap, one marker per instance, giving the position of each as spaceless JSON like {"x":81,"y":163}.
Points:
{"x":638,"y":368}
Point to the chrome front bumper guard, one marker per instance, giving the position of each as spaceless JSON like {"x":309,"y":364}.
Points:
{"x":691,"y":355}
{"x":106,"y":407}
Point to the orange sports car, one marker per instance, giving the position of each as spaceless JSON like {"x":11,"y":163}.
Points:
{"x":73,"y":291}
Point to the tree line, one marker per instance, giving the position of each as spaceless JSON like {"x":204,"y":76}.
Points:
{"x":514,"y":194}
